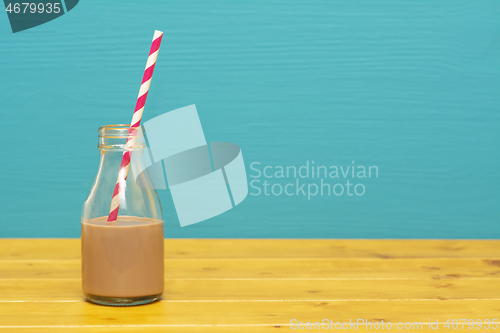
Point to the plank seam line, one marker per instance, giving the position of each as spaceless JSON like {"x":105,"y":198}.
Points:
{"x":283,"y":279}
{"x":277,"y":258}
{"x":275,"y":300}
{"x":146,"y":325}
{"x":162,"y":325}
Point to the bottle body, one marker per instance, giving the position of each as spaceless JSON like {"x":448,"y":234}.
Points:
{"x":122,"y":261}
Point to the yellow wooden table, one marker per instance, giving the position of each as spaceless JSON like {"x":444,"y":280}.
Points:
{"x":262,"y":285}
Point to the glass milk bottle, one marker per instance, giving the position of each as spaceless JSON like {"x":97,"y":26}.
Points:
{"x":122,"y":261}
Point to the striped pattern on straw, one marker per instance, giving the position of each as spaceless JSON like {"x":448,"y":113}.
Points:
{"x":136,"y":122}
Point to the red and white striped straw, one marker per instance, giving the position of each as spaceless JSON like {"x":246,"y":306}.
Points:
{"x":136,"y":122}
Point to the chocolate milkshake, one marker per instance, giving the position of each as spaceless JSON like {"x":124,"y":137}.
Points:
{"x":122,"y":261}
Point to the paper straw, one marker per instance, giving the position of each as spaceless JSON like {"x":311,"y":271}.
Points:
{"x":136,"y":122}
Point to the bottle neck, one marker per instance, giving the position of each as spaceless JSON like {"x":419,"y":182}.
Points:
{"x":136,"y":199}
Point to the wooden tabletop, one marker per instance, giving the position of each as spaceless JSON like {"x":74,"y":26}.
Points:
{"x":222,"y":285}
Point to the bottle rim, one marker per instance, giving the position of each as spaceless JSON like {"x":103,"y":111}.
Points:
{"x":118,"y":137}
{"x":119,"y":131}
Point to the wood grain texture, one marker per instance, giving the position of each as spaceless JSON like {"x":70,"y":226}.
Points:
{"x":238,"y":313}
{"x":233,"y":268}
{"x":46,"y":290}
{"x":266,"y":248}
{"x":260,"y":286}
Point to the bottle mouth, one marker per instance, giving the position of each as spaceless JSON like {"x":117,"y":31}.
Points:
{"x":119,"y":131}
{"x":115,"y":137}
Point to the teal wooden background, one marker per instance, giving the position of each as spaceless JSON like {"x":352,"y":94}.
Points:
{"x":412,"y":87}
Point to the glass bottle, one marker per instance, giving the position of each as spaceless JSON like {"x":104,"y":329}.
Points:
{"x":122,"y":262}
